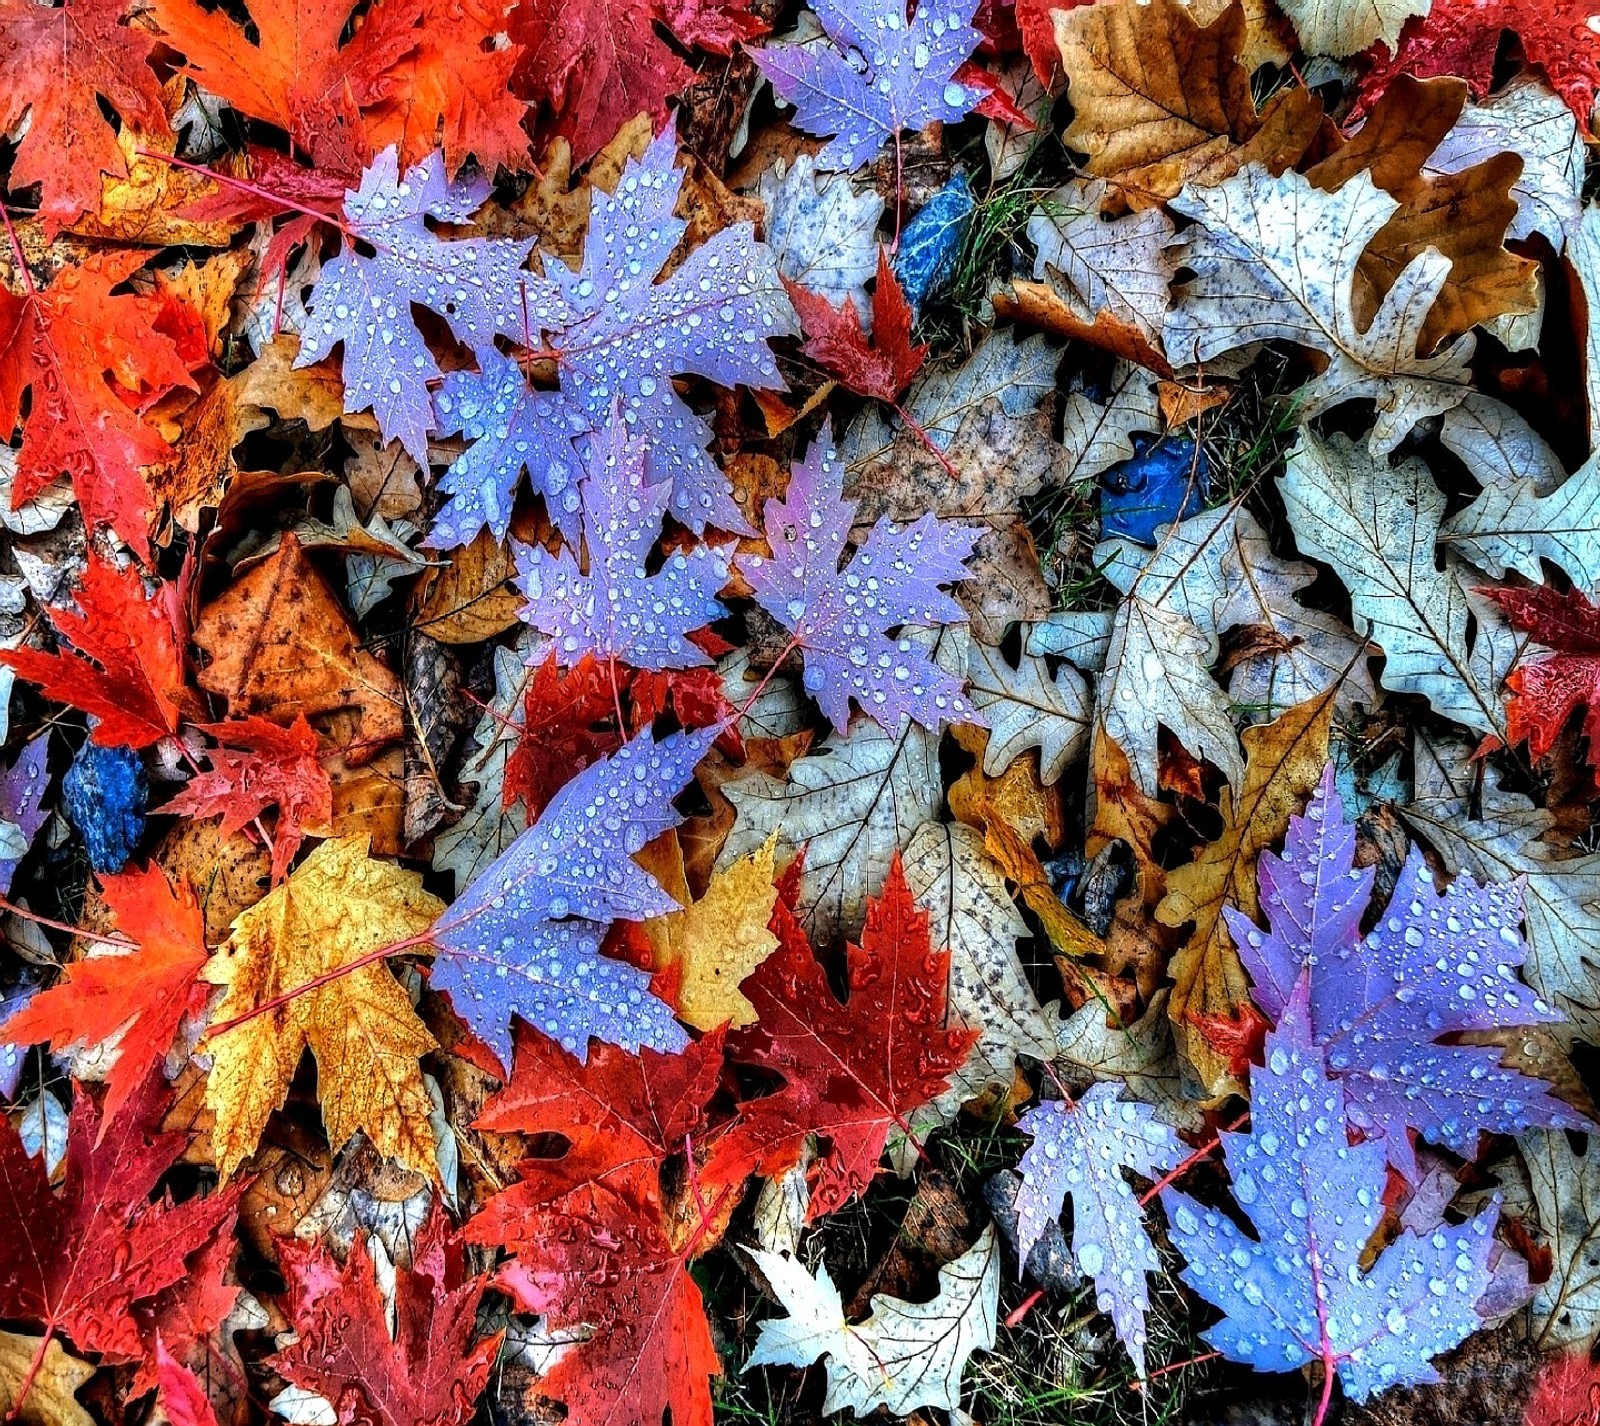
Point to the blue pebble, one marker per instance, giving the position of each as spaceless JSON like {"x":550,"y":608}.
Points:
{"x":104,"y":795}
{"x":931,"y":243}
{"x":1163,"y":482}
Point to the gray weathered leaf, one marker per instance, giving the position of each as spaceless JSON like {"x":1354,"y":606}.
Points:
{"x":823,"y":233}
{"x":1566,"y":1188}
{"x":1276,"y":258}
{"x":1514,"y":527}
{"x":1142,"y":1056}
{"x":1098,"y":436}
{"x":1378,"y":527}
{"x":1498,"y":446}
{"x":1027,"y":708}
{"x":1342,"y":28}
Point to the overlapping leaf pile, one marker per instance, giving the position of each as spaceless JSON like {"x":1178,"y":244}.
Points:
{"x":673,"y":673}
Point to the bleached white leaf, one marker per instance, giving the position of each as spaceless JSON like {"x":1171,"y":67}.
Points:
{"x":1098,"y":435}
{"x":780,"y":1212}
{"x":971,"y":913}
{"x":1341,"y":28}
{"x":781,"y":708}
{"x":1566,"y":1190}
{"x":1498,"y":446}
{"x":1118,"y":265}
{"x":1583,"y":252}
{"x":1008,"y":144}
{"x":906,"y":1355}
{"x":1496,"y":836}
{"x":300,"y":1407}
{"x":1027,"y":708}
{"x":1143,"y":1056}
{"x":1378,"y":526}
{"x":486,"y":829}
{"x":1528,"y":119}
{"x":821,"y":230}
{"x":1513,"y":527}
{"x":851,"y":804}
{"x":1277,"y":258}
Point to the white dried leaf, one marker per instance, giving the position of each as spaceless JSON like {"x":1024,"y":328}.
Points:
{"x":1027,"y":708}
{"x":1498,"y":446}
{"x":1513,"y":527}
{"x":1342,"y":28}
{"x":1143,"y":1056}
{"x":1100,"y":435}
{"x":1277,"y":258}
{"x":822,"y":232}
{"x":1566,"y":1188}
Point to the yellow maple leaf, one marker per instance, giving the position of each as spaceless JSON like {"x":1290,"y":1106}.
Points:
{"x":709,"y":947}
{"x":52,"y":1391}
{"x":337,"y":907}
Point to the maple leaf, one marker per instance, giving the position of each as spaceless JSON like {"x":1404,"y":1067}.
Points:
{"x":1462,"y":37}
{"x":906,"y":1355}
{"x":835,"y":340}
{"x":339,"y":905}
{"x":137,"y":997}
{"x":22,"y":810}
{"x":475,"y":284}
{"x":294,"y":73}
{"x":568,"y":723}
{"x":1080,"y":1149}
{"x":182,"y":1397}
{"x":821,"y":231}
{"x":79,"y":1261}
{"x":87,"y":357}
{"x":127,"y":671}
{"x":854,"y":1070}
{"x":59,"y":63}
{"x":842,"y":618}
{"x":524,"y":937}
{"x":261,"y":765}
{"x":881,"y":75}
{"x":596,"y":1238}
{"x":600,"y":64}
{"x":53,"y":1380}
{"x":1298,"y":1294}
{"x":429,"y":1373}
{"x":1435,"y":963}
{"x":1546,"y":691}
{"x":614,"y":610}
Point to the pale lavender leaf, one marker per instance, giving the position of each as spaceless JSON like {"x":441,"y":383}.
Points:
{"x":513,"y":428}
{"x":1435,"y":964}
{"x":22,"y":810}
{"x":524,"y":938}
{"x":616,"y":610}
{"x":842,"y":619}
{"x":1296,"y":1292}
{"x":1081,"y":1149}
{"x":476,"y":284}
{"x":885,"y":76}
{"x":630,"y":334}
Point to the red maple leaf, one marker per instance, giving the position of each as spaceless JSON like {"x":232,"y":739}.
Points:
{"x":1462,"y":37}
{"x":1238,"y":1038}
{"x":430,"y":1373}
{"x":569,"y":721}
{"x":261,"y":765}
{"x":1548,"y":691}
{"x":59,"y":62}
{"x":598,"y":1239}
{"x":836,"y":342}
{"x":598,"y":63}
{"x":80,"y":1261}
{"x":144,"y":993}
{"x":1567,"y":1393}
{"x":853,"y":1071}
{"x":182,"y":1397}
{"x":187,"y":1316}
{"x":89,"y":358}
{"x":127,"y":668}
{"x":296,"y":75}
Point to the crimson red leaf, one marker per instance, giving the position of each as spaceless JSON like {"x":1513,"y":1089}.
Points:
{"x":835,"y":340}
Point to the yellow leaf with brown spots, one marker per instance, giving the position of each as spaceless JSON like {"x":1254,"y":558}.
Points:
{"x":339,"y":905}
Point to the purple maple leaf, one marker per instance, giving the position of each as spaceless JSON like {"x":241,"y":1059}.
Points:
{"x":22,"y":806}
{"x":477,"y":285}
{"x":513,"y":427}
{"x":1081,"y":1149}
{"x":616,"y":610}
{"x":842,"y":620}
{"x":524,"y":938}
{"x":1433,"y":965}
{"x":1295,"y":1293}
{"x":885,"y":76}
{"x":630,"y":334}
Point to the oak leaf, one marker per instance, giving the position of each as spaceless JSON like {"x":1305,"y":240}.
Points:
{"x":282,"y":647}
{"x":339,"y":906}
{"x":1283,"y":763}
{"x":1161,"y":100}
{"x":127,"y":671}
{"x":136,"y":997}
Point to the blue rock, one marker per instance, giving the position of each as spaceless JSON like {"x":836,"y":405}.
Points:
{"x":931,"y":242}
{"x":1164,"y":481}
{"x":104,"y":795}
